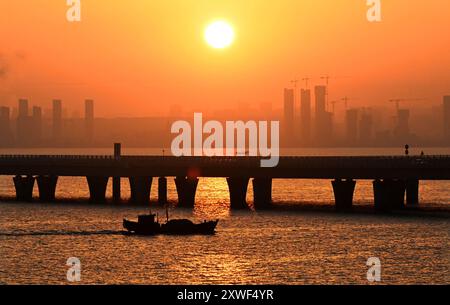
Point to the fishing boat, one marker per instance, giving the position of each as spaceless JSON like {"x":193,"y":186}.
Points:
{"x":148,"y":224}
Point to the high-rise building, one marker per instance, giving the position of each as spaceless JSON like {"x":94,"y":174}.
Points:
{"x":327,"y":128}
{"x":305,"y":115}
{"x":288,"y":115}
{"x":6,"y":137}
{"x":402,"y":129}
{"x":57,"y":120}
{"x":36,"y":131}
{"x":323,"y":119}
{"x":321,"y":98}
{"x":24,"y":123}
{"x":365,"y":128}
{"x":23,"y":108}
{"x":89,"y":119}
{"x":89,"y":109}
{"x":351,"y":125}
{"x":446,"y":109}
{"x":4,"y":114}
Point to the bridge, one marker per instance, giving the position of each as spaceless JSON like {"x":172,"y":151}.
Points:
{"x":393,"y":176}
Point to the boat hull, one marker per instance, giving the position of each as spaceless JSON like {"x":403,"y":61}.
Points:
{"x":173,"y":227}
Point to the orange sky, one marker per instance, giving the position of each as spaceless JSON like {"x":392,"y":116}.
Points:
{"x":140,"y":57}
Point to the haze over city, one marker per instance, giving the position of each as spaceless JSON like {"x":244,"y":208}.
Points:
{"x":149,"y":61}
{"x":144,"y":59}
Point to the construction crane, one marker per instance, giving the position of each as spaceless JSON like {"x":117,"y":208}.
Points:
{"x":294,"y":83}
{"x":306,"y":80}
{"x":398,"y":100}
{"x":326,"y":78}
{"x":327,"y":81}
{"x":333,"y":103}
{"x":346,"y":99}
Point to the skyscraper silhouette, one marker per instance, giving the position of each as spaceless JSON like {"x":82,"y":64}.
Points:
{"x":23,"y":108}
{"x":305,"y":115}
{"x":323,"y":118}
{"x":446,"y":111}
{"x":320,"y":93}
{"x":6,"y":137}
{"x":402,"y":128}
{"x":23,"y":123}
{"x":36,"y":124}
{"x":365,"y":128}
{"x":351,"y":126}
{"x":288,"y":115}
{"x":57,"y":121}
{"x":89,"y":119}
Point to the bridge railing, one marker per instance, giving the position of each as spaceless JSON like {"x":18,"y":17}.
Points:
{"x":246,"y":161}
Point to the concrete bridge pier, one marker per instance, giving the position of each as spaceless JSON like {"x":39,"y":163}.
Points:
{"x":343,"y":193}
{"x":116,"y":179}
{"x":238,"y":192}
{"x":140,"y":189}
{"x":97,"y":188}
{"x":389,"y":194}
{"x":116,"y":189}
{"x":262,"y":193}
{"x":162,"y":190}
{"x":412,"y":192}
{"x":186,"y":188}
{"x":24,"y":187}
{"x":47,"y":187}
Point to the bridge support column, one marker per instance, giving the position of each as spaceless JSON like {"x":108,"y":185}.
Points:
{"x":186,"y":188}
{"x":47,"y":187}
{"x":24,"y":187}
{"x":116,"y":180}
{"x":343,"y":193}
{"x":238,"y":192}
{"x":162,"y":190}
{"x":116,"y":189}
{"x":140,"y":189}
{"x":97,"y":188}
{"x":412,"y":192}
{"x":262,"y":193}
{"x":389,"y":194}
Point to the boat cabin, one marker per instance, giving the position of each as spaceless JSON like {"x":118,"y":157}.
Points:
{"x":148,"y":218}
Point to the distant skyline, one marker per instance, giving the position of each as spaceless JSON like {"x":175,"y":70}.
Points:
{"x":148,"y":58}
{"x":27,"y":125}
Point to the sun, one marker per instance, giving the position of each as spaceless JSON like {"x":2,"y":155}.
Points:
{"x":219,"y":34}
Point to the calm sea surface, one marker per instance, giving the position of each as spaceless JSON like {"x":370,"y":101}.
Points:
{"x":277,"y":247}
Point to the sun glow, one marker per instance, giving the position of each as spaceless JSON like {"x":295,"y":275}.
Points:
{"x":219,"y":34}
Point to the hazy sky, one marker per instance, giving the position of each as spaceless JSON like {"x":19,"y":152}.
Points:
{"x":141,"y":57}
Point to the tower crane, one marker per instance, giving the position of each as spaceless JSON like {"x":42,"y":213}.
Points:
{"x":333,"y":103}
{"x":397,"y":101}
{"x":294,"y":83}
{"x":327,"y":78}
{"x":344,"y":99}
{"x":306,"y":80}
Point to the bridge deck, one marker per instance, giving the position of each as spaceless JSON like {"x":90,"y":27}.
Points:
{"x":356,"y":167}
